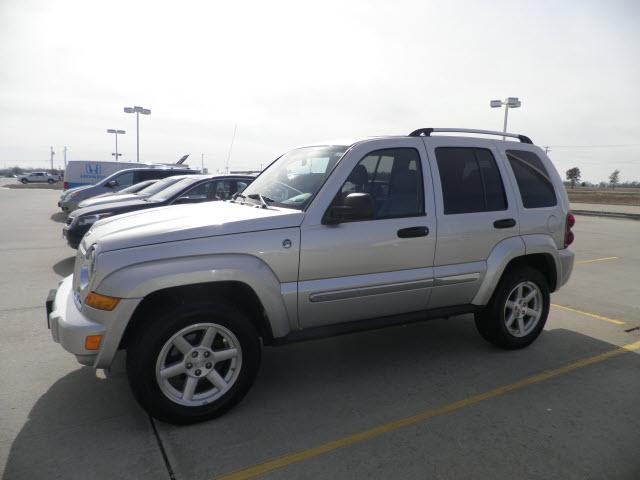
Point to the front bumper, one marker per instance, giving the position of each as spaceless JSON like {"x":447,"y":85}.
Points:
{"x":69,"y":327}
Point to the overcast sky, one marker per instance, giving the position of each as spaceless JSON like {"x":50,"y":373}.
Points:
{"x":291,"y":73}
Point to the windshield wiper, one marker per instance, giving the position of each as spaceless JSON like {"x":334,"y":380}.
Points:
{"x":263,"y":199}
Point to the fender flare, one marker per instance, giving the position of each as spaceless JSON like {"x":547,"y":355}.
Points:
{"x":134,"y":282}
{"x":498,"y":259}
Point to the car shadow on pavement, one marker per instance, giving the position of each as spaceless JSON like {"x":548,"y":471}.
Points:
{"x":84,"y":427}
{"x":59,"y":217}
{"x":310,"y":393}
{"x":64,"y":267}
{"x":313,"y":392}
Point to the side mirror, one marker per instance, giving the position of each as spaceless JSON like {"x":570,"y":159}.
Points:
{"x":356,"y":206}
{"x":111,"y":184}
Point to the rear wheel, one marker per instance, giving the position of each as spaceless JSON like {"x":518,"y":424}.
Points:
{"x":190,"y":365}
{"x":518,"y":310}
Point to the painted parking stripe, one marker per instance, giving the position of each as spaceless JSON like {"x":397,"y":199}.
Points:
{"x":292,"y":458}
{"x":604,"y":259}
{"x":587,"y":314}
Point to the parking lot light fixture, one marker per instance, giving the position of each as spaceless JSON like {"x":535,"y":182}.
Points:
{"x":116,"y":133}
{"x":510,"y":102}
{"x":138,"y":111}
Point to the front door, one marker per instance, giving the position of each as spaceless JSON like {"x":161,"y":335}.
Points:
{"x":376,"y":266}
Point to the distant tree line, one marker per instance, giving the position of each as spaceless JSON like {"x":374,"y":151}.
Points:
{"x":573,"y":178}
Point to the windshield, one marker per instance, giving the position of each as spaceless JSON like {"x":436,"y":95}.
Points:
{"x":159,"y":186}
{"x":136,"y":187}
{"x":173,"y":189}
{"x":293,"y":179}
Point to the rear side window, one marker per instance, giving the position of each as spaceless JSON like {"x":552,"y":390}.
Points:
{"x":470,"y":179}
{"x":536,"y":188}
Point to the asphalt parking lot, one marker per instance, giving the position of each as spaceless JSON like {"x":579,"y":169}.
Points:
{"x":429,"y":400}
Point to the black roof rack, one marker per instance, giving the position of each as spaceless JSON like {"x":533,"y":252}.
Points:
{"x":426,"y":132}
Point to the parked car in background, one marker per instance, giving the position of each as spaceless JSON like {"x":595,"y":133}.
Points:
{"x":146,"y":192}
{"x":79,"y":173}
{"x":37,"y":177}
{"x":134,"y":191}
{"x":136,"y":187}
{"x":70,"y":199}
{"x":188,"y":189}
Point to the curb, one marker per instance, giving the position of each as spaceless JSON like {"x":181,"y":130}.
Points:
{"x":595,"y":213}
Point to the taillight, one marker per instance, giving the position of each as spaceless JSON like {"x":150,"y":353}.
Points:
{"x":66,"y":185}
{"x":568,"y":234}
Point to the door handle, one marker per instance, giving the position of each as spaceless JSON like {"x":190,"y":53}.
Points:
{"x":504,"y":223}
{"x":413,"y":232}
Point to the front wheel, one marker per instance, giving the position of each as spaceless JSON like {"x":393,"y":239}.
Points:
{"x":24,"y":181}
{"x":50,"y":181}
{"x":518,"y":310}
{"x":190,"y":365}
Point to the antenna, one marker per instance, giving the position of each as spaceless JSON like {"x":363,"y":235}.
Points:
{"x":226,"y":167}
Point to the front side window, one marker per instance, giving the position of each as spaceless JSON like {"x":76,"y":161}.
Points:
{"x":536,"y":188}
{"x":293,"y":179}
{"x":125,"y":180}
{"x":470,"y":180}
{"x":223,"y":190}
{"x":393,"y":179}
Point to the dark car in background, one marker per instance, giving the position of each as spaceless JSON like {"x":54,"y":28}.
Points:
{"x":117,"y":181}
{"x":189,"y":189}
{"x":152,"y":189}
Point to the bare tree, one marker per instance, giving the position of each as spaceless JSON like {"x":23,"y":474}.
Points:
{"x":573,"y":176}
{"x":614,"y":178}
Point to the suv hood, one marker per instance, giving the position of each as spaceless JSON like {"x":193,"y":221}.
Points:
{"x":186,"y":222}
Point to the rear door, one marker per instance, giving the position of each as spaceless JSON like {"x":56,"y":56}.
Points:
{"x":476,"y":210}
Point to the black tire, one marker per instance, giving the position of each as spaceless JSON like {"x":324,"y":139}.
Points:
{"x":147,"y":341}
{"x":24,"y":181}
{"x":491,"y":322}
{"x":50,"y":181}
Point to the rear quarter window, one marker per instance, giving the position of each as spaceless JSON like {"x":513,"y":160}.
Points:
{"x":534,"y":183}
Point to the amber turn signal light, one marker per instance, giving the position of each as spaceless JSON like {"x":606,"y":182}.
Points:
{"x":92,"y":342}
{"x":101,"y":302}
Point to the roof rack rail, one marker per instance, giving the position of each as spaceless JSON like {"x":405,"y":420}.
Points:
{"x":426,"y":132}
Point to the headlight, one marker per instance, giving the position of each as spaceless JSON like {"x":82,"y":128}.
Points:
{"x":86,"y":270}
{"x":71,"y":195}
{"x":91,"y":219}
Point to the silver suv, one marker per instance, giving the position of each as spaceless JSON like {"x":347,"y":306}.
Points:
{"x":329,"y":239}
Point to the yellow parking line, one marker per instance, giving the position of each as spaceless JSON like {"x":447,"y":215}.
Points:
{"x":292,"y":458}
{"x":604,"y":259}
{"x":587,"y":314}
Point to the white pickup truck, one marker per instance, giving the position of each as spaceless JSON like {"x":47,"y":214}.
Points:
{"x":37,"y":177}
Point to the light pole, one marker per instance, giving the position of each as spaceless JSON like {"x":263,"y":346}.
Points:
{"x":137,"y":111}
{"x":116,"y":133}
{"x":52,"y":154}
{"x":510,"y":102}
{"x":65,"y":157}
